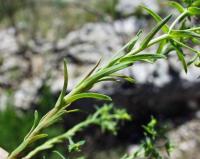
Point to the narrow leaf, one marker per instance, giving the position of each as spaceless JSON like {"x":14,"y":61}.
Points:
{"x":132,"y":42}
{"x":154,"y":31}
{"x":194,"y":10}
{"x":108,"y":79}
{"x":184,"y":33}
{"x":127,"y":48}
{"x":92,"y":70}
{"x":142,"y":57}
{"x":59,"y":102}
{"x":177,"y":6}
{"x":110,"y":70}
{"x":34,"y":123}
{"x":196,"y":3}
{"x":37,"y":137}
{"x":59,"y":154}
{"x":180,"y":55}
{"x":186,"y":46}
{"x":89,"y":95}
{"x":127,"y":78}
{"x":161,"y":47}
{"x":165,"y":28}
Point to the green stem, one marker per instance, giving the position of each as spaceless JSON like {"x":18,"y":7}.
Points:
{"x":177,"y":20}
{"x":49,"y":144}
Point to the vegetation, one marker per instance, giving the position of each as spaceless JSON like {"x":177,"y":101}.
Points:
{"x":176,"y":37}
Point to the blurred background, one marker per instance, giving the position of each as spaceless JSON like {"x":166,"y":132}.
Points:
{"x":35,"y":37}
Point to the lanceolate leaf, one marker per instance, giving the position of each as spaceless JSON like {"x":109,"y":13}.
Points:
{"x":192,"y":60}
{"x":108,"y":79}
{"x":127,"y":48}
{"x":177,"y":6}
{"x":89,"y":95}
{"x":165,"y":28}
{"x":127,"y":78}
{"x":184,"y":34}
{"x":34,"y":123}
{"x":186,"y":46}
{"x":110,"y":70}
{"x":142,"y":57}
{"x":154,"y":31}
{"x":161,"y":47}
{"x":132,"y":43}
{"x":180,"y":55}
{"x":59,"y":154}
{"x":59,"y":103}
{"x":38,"y":137}
{"x":194,"y":10}
{"x":196,"y":3}
{"x":92,"y":70}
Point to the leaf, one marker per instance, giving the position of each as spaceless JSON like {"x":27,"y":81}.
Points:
{"x":183,"y":34}
{"x":37,"y":137}
{"x":142,"y":57}
{"x":161,"y":47}
{"x":194,"y":10}
{"x":192,"y":60}
{"x":127,"y":78}
{"x":180,"y":55}
{"x":75,"y":147}
{"x":132,"y":42}
{"x":59,"y":102}
{"x":154,"y":31}
{"x":89,"y":95}
{"x":196,"y":3}
{"x":165,"y":28}
{"x":59,"y":154}
{"x":177,"y":6}
{"x":34,"y":124}
{"x":129,"y":45}
{"x":109,"y":70}
{"x":186,"y":46}
{"x":108,"y":79}
{"x":194,"y":29}
{"x":92,"y":70}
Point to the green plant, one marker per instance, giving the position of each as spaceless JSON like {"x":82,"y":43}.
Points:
{"x":149,"y":148}
{"x":106,"y":117}
{"x":175,"y":38}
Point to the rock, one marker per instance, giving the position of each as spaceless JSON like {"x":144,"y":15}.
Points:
{"x":186,"y":140}
{"x":3,"y":154}
{"x":129,"y":6}
{"x":7,"y":38}
{"x":92,"y":42}
{"x":27,"y":92}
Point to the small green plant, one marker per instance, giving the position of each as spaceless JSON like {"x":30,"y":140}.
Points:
{"x":149,"y":147}
{"x":176,"y":37}
{"x":105,"y":117}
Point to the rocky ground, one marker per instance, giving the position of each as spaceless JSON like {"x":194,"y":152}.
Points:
{"x":162,"y":87}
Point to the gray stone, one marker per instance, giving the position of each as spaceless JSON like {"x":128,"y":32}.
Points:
{"x":130,"y":6}
{"x":186,"y":140}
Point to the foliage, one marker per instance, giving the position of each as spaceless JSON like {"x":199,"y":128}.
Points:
{"x":149,"y":147}
{"x":176,"y":37}
{"x":105,"y":117}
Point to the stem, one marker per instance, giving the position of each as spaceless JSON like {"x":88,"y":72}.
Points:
{"x":177,"y":20}
{"x":49,"y":144}
{"x":39,"y":127}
